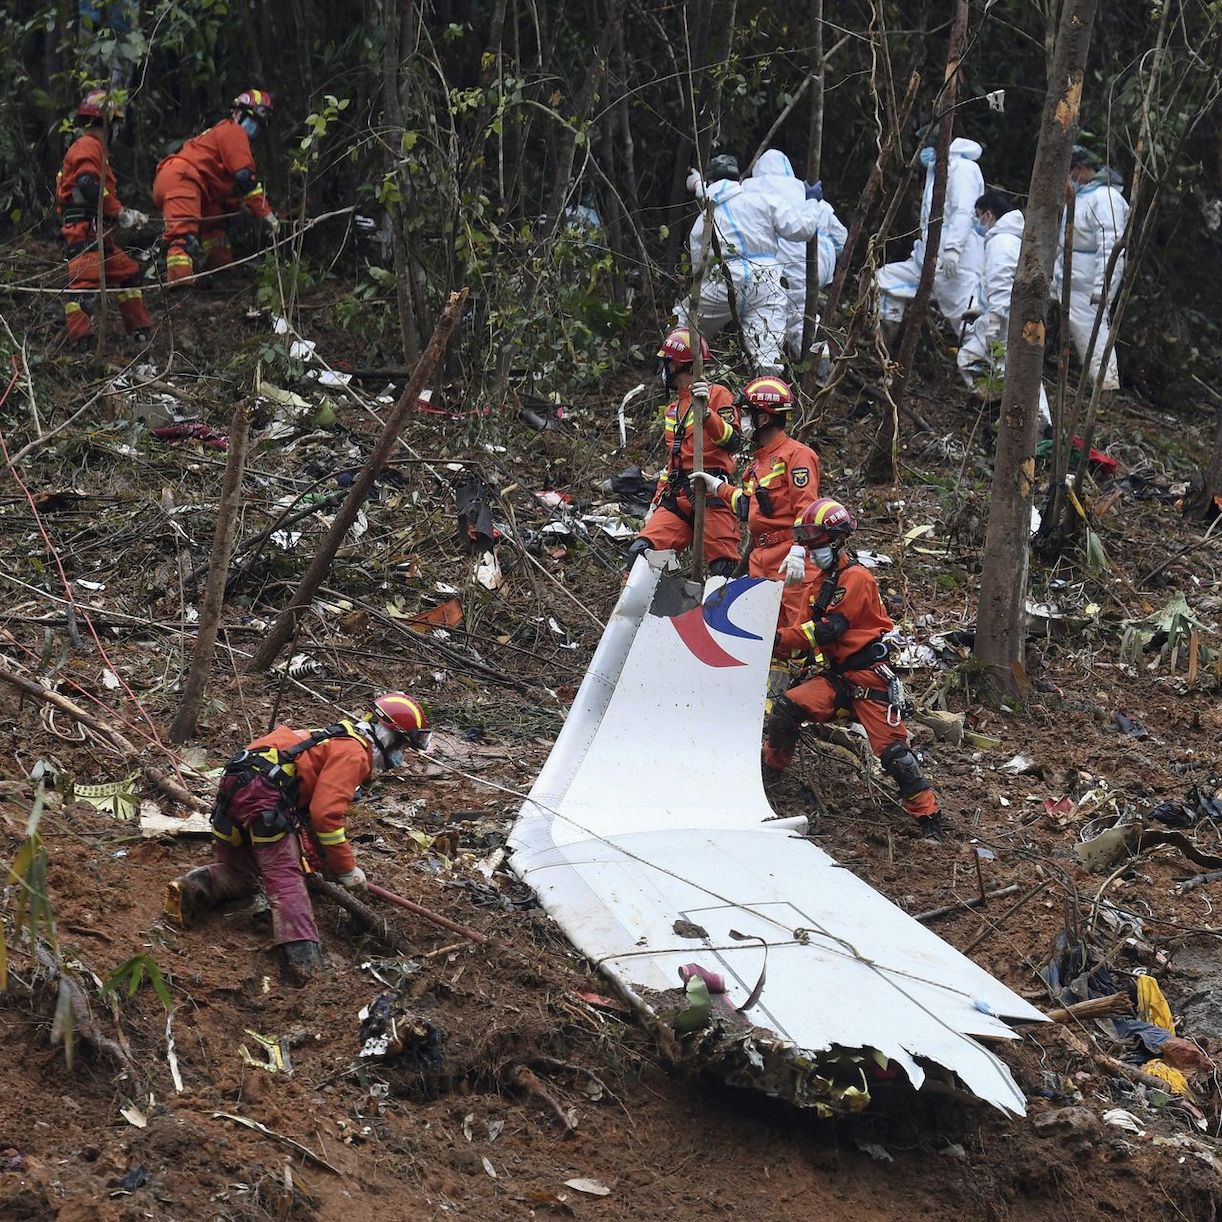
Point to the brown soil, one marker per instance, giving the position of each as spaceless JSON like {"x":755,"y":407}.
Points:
{"x":464,"y":1139}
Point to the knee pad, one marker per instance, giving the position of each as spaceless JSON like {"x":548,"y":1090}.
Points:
{"x":899,"y":763}
{"x":784,"y":723}
{"x":639,"y":547}
{"x":723,"y":566}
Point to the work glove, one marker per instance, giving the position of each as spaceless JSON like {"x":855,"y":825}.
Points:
{"x":700,"y":390}
{"x":793,"y":567}
{"x":649,"y":513}
{"x":710,"y":481}
{"x":272,"y":221}
{"x":694,"y":181}
{"x":949,"y":263}
{"x":129,"y":218}
{"x":353,"y":880}
{"x":814,"y":190}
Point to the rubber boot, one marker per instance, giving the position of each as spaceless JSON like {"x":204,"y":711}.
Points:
{"x":189,"y":897}
{"x":303,"y":961}
{"x":931,"y":827}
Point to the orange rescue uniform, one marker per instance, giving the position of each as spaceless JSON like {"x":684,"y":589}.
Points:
{"x":328,"y":777}
{"x":854,"y":619}
{"x":779,"y":482}
{"x":670,"y":527}
{"x":210,"y":177}
{"x":77,"y":204}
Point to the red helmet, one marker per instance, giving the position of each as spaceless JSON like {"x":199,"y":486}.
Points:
{"x":677,"y":347}
{"x":405,"y":716}
{"x":96,"y":104}
{"x":768,"y":394}
{"x":822,"y":522}
{"x":257,"y":102}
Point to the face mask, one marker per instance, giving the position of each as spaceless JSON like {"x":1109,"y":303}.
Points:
{"x":747,"y":428}
{"x":978,"y":226}
{"x":250,"y":125}
{"x":824,"y":557}
{"x":928,"y":155}
{"x":387,"y":749}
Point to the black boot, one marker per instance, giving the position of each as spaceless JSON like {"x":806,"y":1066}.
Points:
{"x":189,"y":897}
{"x":931,"y":827}
{"x":303,"y":960}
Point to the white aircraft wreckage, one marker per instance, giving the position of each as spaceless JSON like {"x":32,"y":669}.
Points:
{"x":648,"y":838}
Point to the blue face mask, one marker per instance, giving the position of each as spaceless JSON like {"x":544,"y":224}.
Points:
{"x":927,"y":155}
{"x":824,"y":557}
{"x":978,"y":226}
{"x":250,"y":125}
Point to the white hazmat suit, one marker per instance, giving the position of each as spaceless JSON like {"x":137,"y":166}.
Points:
{"x":774,"y":175}
{"x":1099,"y":217}
{"x":955,"y":293}
{"x":983,"y":351}
{"x":749,"y":227}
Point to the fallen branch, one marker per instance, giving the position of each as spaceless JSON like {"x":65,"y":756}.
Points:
{"x":472,"y":935}
{"x":523,"y":1078}
{"x":1133,"y":1074}
{"x":171,"y":788}
{"x":285,"y":624}
{"x":1093,"y":1007}
{"x":934,"y":913}
{"x":361,"y":913}
{"x":256,"y":1127}
{"x":1198,"y":880}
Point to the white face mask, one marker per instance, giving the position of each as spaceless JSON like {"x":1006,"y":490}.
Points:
{"x":387,"y":749}
{"x":824,"y":557}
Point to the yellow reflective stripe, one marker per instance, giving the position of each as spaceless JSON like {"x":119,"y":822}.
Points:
{"x":72,"y":307}
{"x":808,"y":631}
{"x":330,"y":838}
{"x":233,"y":836}
{"x":257,"y":189}
{"x":127,"y":295}
{"x":267,"y":839}
{"x":727,"y":429}
{"x":178,"y":261}
{"x":737,"y":499}
{"x":778,"y":469}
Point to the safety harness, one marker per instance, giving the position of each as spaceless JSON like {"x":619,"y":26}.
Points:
{"x":868,"y":657}
{"x":278,"y":766}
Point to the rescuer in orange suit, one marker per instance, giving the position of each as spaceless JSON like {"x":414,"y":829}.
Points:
{"x":779,"y":482}
{"x":285,"y":797}
{"x":211,"y":177}
{"x":668,"y":525}
{"x":844,"y":637}
{"x":78,"y":187}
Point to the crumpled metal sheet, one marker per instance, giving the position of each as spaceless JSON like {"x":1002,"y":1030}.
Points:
{"x":649,"y":818}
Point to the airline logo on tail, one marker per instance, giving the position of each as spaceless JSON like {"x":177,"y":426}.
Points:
{"x":696,"y":627}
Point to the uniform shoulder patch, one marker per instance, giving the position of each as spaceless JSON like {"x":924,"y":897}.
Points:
{"x":801,"y":477}
{"x":838,"y":597}
{"x":727,"y":414}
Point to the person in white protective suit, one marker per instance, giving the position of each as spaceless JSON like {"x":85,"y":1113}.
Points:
{"x":1099,"y":218}
{"x":774,"y":174}
{"x":982,"y":355}
{"x":956,"y":282}
{"x":749,"y":226}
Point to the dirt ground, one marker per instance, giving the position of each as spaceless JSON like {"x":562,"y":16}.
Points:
{"x":534,"y":1080}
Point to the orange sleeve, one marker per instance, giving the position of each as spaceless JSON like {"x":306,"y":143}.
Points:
{"x":721,"y":429}
{"x":346,"y":767}
{"x":234,"y":147}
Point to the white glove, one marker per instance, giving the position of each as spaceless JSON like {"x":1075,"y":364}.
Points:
{"x":700,"y":390}
{"x":649,"y":513}
{"x":129,"y":218}
{"x":793,"y":567}
{"x":710,"y":481}
{"x":694,"y":181}
{"x":949,"y":264}
{"x":354,"y":880}
{"x":272,"y":221}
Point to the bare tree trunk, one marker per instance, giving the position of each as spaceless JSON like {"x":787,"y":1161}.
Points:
{"x":698,"y":406}
{"x":184,"y":724}
{"x":286,"y":622}
{"x":1001,"y":619}
{"x":814,"y":160}
{"x":880,"y":468}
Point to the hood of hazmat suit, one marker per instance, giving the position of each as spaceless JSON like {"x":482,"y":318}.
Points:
{"x":1001,"y":246}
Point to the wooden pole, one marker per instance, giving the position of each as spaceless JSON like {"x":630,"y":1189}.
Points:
{"x":286,"y":621}
{"x":699,"y":406}
{"x":184,"y":724}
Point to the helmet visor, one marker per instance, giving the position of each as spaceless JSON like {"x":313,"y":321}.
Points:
{"x":421,"y":740}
